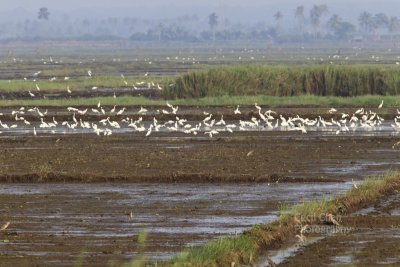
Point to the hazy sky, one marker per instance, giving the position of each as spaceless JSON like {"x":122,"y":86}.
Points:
{"x":234,"y":9}
{"x":73,"y":4}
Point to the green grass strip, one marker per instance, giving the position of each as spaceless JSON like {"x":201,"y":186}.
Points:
{"x":273,"y":101}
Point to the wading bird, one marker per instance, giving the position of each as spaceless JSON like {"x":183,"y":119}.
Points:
{"x":301,"y":238}
{"x":353,"y":184}
{"x":332,"y":110}
{"x":121,"y":111}
{"x":237,"y":111}
{"x":142,"y":110}
{"x":5,"y":226}
{"x":381,"y":104}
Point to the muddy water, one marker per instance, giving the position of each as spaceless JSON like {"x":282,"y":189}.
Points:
{"x":385,"y":129}
{"x":55,"y":222}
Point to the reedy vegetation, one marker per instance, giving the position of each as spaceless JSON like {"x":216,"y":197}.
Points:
{"x":327,"y":80}
{"x":243,"y":80}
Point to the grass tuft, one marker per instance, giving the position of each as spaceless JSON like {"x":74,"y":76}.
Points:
{"x":220,"y":252}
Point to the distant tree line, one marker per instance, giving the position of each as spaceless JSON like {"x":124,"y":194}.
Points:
{"x":302,"y":25}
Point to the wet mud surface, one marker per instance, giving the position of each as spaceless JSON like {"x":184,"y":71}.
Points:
{"x":52,"y":224}
{"x":162,"y":157}
{"x":370,"y":237}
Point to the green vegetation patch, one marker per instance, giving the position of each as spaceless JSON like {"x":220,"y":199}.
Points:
{"x":271,"y":101}
{"x":319,"y":80}
{"x":79,"y":83}
{"x":220,"y":252}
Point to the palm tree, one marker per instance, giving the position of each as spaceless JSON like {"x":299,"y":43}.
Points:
{"x":43,"y":13}
{"x":299,"y":15}
{"x":159,"y":29}
{"x":393,"y":24}
{"x":341,"y":29}
{"x":380,"y":21}
{"x":365,"y":22}
{"x":316,"y":13}
{"x":334,"y":22}
{"x":213,"y":20}
{"x":278,"y":17}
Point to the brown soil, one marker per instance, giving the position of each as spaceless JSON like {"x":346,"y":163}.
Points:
{"x":373,"y":241}
{"x":132,"y":158}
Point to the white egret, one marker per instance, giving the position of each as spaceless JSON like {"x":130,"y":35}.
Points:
{"x":353,"y":184}
{"x":149,"y":130}
{"x":332,"y":110}
{"x":82,"y":112}
{"x":207,"y":118}
{"x":121,"y":111}
{"x":5,"y":226}
{"x":175,"y":109}
{"x":211,"y":133}
{"x":142,"y":110}
{"x":221,"y":121}
{"x":237,"y":111}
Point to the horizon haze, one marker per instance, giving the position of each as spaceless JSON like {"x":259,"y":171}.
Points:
{"x":235,"y":9}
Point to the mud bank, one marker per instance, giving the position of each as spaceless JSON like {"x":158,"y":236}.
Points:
{"x":274,"y":157}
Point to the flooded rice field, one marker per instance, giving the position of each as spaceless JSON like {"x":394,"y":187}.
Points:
{"x":70,"y":194}
{"x":56,"y":222}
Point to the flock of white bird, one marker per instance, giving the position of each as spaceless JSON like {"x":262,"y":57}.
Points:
{"x":136,"y":86}
{"x":209,"y":125}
